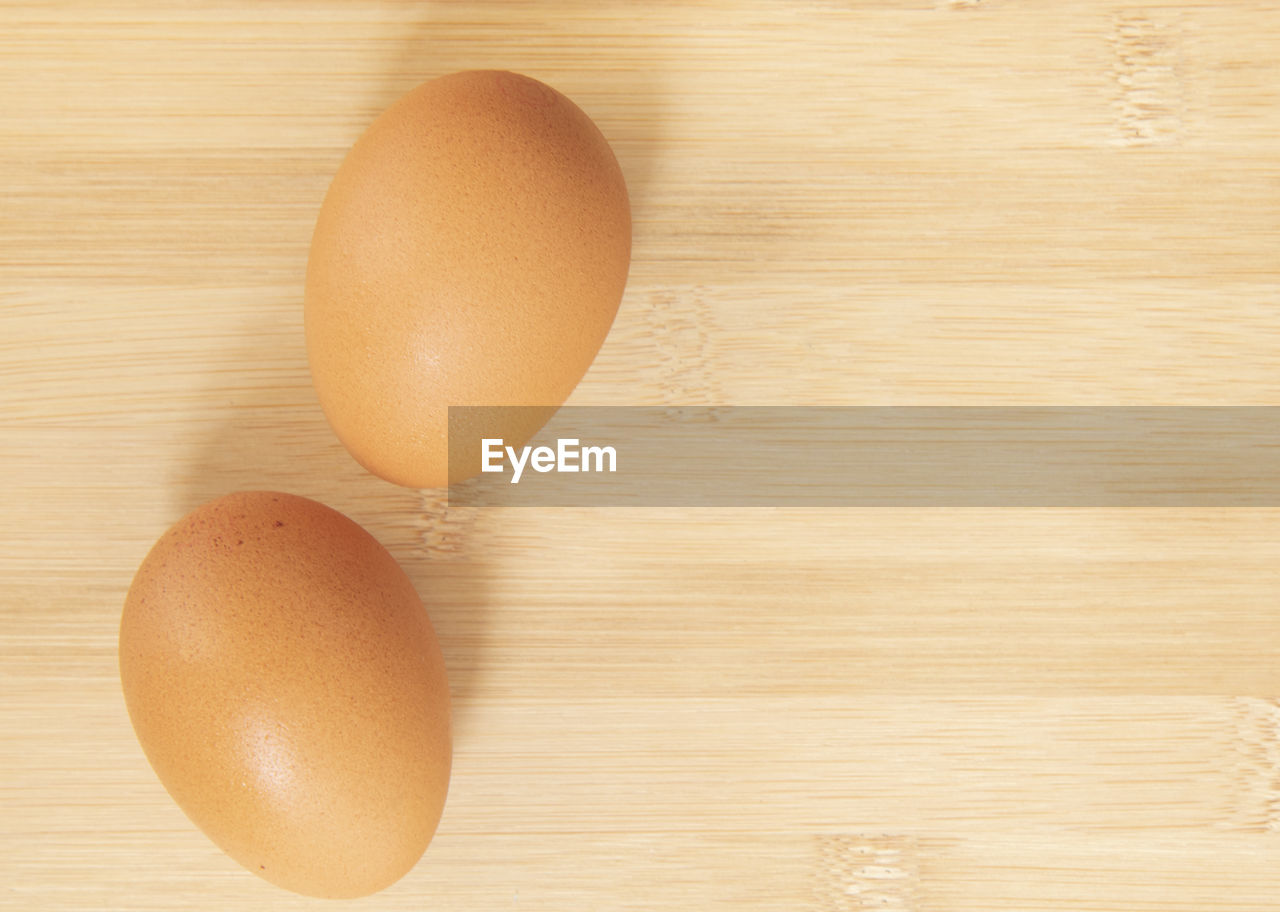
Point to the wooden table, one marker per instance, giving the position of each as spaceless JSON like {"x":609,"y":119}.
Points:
{"x":836,"y":203}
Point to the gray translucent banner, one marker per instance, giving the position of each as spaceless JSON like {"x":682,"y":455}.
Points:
{"x":874,"y":456}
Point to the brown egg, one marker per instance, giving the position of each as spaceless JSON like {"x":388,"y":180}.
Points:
{"x":288,"y":689}
{"x":472,"y":250}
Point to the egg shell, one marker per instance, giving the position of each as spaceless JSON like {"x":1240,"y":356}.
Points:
{"x":288,"y":689}
{"x":472,"y":249}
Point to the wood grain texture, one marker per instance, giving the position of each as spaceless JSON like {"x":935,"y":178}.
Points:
{"x":836,"y":203}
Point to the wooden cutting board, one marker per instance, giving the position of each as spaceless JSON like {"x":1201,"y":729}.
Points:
{"x":836,"y":203}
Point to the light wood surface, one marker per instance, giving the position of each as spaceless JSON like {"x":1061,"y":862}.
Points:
{"x":836,"y":203}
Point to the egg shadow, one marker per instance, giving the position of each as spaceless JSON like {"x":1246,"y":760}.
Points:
{"x":263,"y":429}
{"x":611,"y":77}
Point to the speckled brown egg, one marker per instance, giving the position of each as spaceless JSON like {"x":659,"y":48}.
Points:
{"x":472,"y":249}
{"x":288,"y":689}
